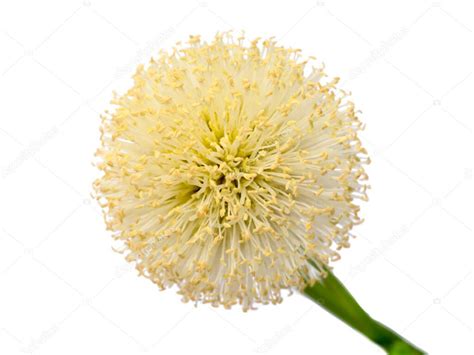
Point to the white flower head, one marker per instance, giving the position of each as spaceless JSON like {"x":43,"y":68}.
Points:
{"x":230,"y":170}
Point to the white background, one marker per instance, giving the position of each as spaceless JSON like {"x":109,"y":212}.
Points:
{"x":409,"y":67}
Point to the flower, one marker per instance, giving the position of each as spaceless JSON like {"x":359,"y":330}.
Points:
{"x":230,"y":170}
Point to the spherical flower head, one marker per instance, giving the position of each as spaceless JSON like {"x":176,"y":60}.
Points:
{"x":230,"y":170}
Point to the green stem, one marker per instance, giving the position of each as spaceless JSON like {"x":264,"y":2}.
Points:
{"x":331,"y":294}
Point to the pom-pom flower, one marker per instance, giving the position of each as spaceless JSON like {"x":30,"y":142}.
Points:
{"x":230,"y":169}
